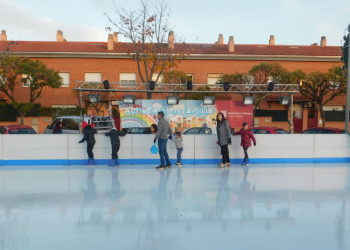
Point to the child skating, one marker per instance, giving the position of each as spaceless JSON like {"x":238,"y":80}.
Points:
{"x":246,"y":137}
{"x":115,"y":142}
{"x":179,"y":147}
{"x":89,"y":137}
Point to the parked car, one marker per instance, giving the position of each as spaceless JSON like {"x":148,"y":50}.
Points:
{"x":137,"y":130}
{"x":199,"y":131}
{"x":323,"y":131}
{"x":17,"y":129}
{"x":269,"y":130}
{"x":70,"y":124}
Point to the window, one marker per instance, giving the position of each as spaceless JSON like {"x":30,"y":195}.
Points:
{"x":128,"y":79}
{"x":26,"y":80}
{"x":333,"y":108}
{"x":2,"y":80}
{"x":59,"y":106}
{"x":192,"y":131}
{"x":206,"y":131}
{"x":214,"y":78}
{"x":65,"y":79}
{"x":281,"y":132}
{"x":260,"y":131}
{"x":53,"y":124}
{"x":70,"y":124}
{"x":249,"y":79}
{"x":22,"y":131}
{"x":160,"y":79}
{"x":2,"y":130}
{"x":187,"y":78}
{"x":93,"y":77}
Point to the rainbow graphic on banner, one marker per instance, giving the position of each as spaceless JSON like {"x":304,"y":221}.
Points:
{"x":139,"y":120}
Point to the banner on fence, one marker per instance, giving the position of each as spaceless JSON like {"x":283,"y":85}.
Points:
{"x":187,"y":114}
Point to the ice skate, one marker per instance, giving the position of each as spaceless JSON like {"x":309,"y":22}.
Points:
{"x":111,"y":163}
{"x":221,"y":165}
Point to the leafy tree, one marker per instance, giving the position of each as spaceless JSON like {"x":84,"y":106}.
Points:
{"x":321,"y":87}
{"x":258,"y":74}
{"x":38,"y":76}
{"x":175,"y":76}
{"x":147,"y":29}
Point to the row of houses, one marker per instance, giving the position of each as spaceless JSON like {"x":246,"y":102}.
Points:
{"x":203,"y":64}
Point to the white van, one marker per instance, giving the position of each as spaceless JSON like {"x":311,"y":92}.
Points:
{"x":70,"y":124}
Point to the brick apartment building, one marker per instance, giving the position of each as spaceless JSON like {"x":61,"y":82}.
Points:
{"x":204,"y":63}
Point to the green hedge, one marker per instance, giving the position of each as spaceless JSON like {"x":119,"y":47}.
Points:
{"x":9,"y":113}
{"x":335,"y":116}
{"x":277,"y":115}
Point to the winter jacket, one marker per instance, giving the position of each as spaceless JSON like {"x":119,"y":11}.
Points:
{"x":114,"y":135}
{"x":163,"y":129}
{"x":89,"y":135}
{"x":178,"y":142}
{"x":224,"y":132}
{"x":246,"y":135}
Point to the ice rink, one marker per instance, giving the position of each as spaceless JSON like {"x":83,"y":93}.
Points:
{"x":277,"y":206}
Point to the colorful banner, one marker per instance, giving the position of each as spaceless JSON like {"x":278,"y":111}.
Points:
{"x":187,"y":114}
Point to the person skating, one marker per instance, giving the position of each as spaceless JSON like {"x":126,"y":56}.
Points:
{"x":89,"y":137}
{"x":115,"y":142}
{"x":224,"y":138}
{"x":246,"y":137}
{"x":162,"y":133}
{"x":179,"y":147}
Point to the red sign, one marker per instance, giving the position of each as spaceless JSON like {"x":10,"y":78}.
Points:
{"x":235,"y":112}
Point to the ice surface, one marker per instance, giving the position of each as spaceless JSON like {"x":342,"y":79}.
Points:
{"x":290,"y":206}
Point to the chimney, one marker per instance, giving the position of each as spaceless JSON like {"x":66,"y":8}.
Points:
{"x":110,"y":42}
{"x":221,"y":39}
{"x":272,"y":40}
{"x":171,"y":40}
{"x":3,"y":35}
{"x":115,"y":37}
{"x":323,"y":41}
{"x":231,"y":44}
{"x":60,"y":36}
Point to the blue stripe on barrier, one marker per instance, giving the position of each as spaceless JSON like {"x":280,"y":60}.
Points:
{"x":49,"y":162}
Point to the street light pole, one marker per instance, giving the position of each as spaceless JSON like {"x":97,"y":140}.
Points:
{"x":347,"y":106}
{"x":291,"y":123}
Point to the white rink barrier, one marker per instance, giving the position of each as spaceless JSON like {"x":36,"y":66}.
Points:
{"x":198,"y":149}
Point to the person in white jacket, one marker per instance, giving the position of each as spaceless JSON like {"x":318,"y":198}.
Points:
{"x":179,"y":146}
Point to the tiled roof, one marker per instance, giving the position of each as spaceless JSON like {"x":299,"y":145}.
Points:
{"x":185,"y":48}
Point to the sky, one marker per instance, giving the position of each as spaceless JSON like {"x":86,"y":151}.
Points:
{"x":297,"y":22}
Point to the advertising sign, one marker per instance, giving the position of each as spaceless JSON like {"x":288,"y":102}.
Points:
{"x":187,"y":114}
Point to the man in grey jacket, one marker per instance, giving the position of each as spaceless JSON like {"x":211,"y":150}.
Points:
{"x":162,"y":136}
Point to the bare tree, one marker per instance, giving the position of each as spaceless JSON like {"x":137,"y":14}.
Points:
{"x":147,"y":29}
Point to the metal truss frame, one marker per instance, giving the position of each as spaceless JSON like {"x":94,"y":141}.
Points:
{"x":85,"y":86}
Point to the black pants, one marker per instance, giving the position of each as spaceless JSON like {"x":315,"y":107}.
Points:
{"x":115,"y":149}
{"x":225,"y":154}
{"x":90,"y":147}
{"x":245,"y":149}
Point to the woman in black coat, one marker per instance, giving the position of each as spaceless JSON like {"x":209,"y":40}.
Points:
{"x":89,"y":137}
